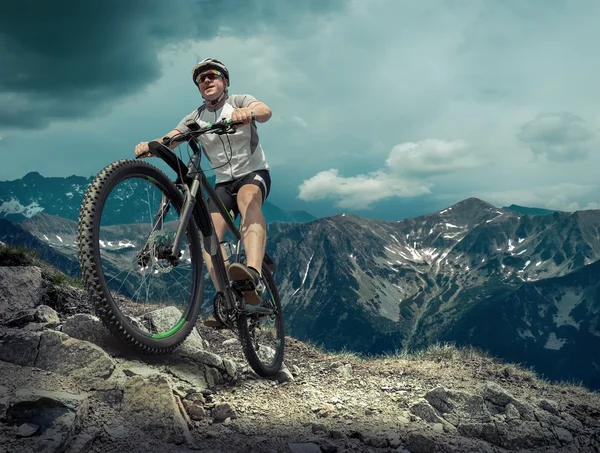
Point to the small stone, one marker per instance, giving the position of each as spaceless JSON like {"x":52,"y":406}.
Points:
{"x":452,"y":418}
{"x":317,"y":428}
{"x":496,"y":394}
{"x":223,"y":410}
{"x":44,"y":313}
{"x":438,"y":427}
{"x":403,"y":420}
{"x":195,"y":412}
{"x":27,"y":430}
{"x":394,"y":441}
{"x":284,"y":375}
{"x":549,"y":405}
{"x":328,"y":447}
{"x":511,"y":412}
{"x":344,"y":370}
{"x":230,"y":367}
{"x":116,"y":431}
{"x":563,"y":435}
{"x":336,"y":434}
{"x":195,"y":398}
{"x":375,"y":441}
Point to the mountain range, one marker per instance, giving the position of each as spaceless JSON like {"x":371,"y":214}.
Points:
{"x":22,"y":198}
{"x":521,"y":286}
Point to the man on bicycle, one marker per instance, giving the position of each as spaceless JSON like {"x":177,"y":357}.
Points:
{"x":242,"y":173}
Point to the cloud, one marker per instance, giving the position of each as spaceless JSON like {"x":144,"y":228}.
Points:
{"x":405,"y":175}
{"x":561,"y":196}
{"x":431,"y":157}
{"x":561,"y":137}
{"x":71,"y":59}
{"x":300,"y":122}
{"x":358,"y":192}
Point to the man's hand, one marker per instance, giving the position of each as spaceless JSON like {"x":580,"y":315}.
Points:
{"x":244,"y":114}
{"x":142,"y":148}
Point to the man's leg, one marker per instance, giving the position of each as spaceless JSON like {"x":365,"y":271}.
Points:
{"x":254,"y":228}
{"x":220,"y":228}
{"x":254,"y":237}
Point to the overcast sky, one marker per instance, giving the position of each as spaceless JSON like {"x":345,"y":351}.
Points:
{"x":383,"y":108}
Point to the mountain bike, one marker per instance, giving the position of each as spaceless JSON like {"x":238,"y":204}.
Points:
{"x":140,"y":241}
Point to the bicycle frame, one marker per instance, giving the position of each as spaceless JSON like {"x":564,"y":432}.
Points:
{"x":192,"y":179}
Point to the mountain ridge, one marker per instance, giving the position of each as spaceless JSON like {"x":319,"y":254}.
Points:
{"x":24,"y":197}
{"x":375,"y":287}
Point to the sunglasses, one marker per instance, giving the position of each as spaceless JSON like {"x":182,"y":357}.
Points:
{"x":211,"y":74}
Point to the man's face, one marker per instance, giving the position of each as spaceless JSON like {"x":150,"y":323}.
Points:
{"x":211,"y":84}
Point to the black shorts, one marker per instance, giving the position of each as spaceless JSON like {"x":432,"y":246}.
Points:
{"x":227,"y":191}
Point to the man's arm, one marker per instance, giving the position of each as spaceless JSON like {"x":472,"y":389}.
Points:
{"x":170,"y":134}
{"x":142,"y":148}
{"x":262,"y":113}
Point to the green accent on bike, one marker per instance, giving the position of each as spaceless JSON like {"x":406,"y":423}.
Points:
{"x":170,"y":332}
{"x":151,"y":179}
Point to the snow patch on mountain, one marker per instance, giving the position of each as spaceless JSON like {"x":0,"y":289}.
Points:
{"x":554,"y":343}
{"x":14,"y":206}
{"x":305,"y":274}
{"x":565,"y":305}
{"x":525,"y":333}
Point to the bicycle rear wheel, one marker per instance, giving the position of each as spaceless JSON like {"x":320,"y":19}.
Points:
{"x":263,"y":336}
{"x":127,"y":224}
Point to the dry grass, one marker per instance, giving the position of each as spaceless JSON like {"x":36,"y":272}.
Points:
{"x":16,"y":256}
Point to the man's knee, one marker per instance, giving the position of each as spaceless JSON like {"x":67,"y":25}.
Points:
{"x":250,"y":197}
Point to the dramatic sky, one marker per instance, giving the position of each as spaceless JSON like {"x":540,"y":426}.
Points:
{"x":382,"y":108}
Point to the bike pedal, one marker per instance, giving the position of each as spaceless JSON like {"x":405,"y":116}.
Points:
{"x":243,"y":285}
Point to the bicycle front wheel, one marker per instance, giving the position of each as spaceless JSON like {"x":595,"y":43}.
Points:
{"x":262,"y":335}
{"x":127,"y":224}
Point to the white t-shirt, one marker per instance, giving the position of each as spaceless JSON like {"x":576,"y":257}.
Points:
{"x":231,"y":156}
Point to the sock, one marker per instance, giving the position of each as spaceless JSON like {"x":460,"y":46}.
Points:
{"x":250,"y":267}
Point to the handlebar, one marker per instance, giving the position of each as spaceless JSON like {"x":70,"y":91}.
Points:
{"x":160,"y":148}
{"x":220,"y":127}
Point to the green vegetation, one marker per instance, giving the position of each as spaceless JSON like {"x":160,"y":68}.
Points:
{"x":16,"y":256}
{"x":22,"y":256}
{"x":60,"y":279}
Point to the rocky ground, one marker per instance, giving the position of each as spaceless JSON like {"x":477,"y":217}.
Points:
{"x":67,"y":385}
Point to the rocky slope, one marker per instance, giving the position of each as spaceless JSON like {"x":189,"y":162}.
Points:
{"x":375,"y":287}
{"x":67,"y":385}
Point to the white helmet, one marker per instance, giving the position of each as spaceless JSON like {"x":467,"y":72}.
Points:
{"x":209,"y":63}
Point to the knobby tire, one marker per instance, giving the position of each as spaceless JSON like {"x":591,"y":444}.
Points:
{"x":89,"y":257}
